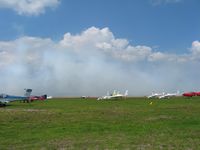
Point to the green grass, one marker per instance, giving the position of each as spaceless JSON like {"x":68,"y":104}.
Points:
{"x":89,"y":124}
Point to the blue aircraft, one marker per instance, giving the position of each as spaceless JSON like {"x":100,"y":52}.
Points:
{"x":5,"y":98}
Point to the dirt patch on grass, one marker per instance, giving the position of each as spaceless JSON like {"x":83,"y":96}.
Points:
{"x":161,"y":117}
{"x":22,"y":110}
{"x":61,"y":144}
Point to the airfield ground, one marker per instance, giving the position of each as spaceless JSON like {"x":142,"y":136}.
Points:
{"x":134,"y":123}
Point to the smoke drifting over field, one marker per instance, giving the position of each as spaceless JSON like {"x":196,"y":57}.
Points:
{"x":93,"y":62}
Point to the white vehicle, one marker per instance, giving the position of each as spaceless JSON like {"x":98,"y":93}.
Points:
{"x":155,"y":95}
{"x":168,"y":95}
{"x":114,"y":95}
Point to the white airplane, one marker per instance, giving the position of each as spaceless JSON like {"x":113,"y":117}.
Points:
{"x":155,"y":95}
{"x":49,"y":97}
{"x":168,"y":95}
{"x":114,"y":95}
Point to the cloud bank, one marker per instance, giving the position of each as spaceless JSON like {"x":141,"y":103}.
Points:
{"x":92,"y":62}
{"x":28,"y":7}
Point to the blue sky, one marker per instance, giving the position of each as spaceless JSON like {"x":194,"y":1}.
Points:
{"x":171,"y":26}
{"x":132,"y":37}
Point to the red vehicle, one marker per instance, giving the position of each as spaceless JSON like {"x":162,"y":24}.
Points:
{"x":190,"y":94}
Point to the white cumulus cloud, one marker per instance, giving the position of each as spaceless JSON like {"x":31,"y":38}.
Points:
{"x":195,"y":48}
{"x":28,"y":7}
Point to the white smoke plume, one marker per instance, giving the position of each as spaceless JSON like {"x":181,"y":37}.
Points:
{"x":93,"y":62}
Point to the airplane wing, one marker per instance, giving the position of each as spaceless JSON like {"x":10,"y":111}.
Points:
{"x":5,"y":99}
{"x":114,"y":95}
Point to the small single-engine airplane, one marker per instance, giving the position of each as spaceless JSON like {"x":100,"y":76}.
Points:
{"x":5,"y":98}
{"x":197,"y":93}
{"x":155,"y":95}
{"x":33,"y":98}
{"x":114,"y":95}
{"x":191,"y":94}
{"x":168,"y":95}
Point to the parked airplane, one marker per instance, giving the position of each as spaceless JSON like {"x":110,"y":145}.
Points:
{"x":33,"y":98}
{"x":197,"y":93}
{"x":168,"y":95}
{"x":155,"y":95}
{"x":5,"y":98}
{"x":191,"y":94}
{"x":114,"y":95}
{"x":49,"y":97}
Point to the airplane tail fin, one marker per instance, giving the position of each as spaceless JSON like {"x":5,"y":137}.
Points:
{"x":114,"y":93}
{"x":108,"y":93}
{"x":177,"y":93}
{"x":126,"y":93}
{"x":27,"y":92}
{"x":44,"y":96}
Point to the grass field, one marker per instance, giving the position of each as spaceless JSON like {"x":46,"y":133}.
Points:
{"x":133,"y":123}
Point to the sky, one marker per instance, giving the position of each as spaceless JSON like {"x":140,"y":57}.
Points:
{"x":75,"y":47}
